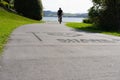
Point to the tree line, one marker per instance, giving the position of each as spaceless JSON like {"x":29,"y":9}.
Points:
{"x":104,"y":14}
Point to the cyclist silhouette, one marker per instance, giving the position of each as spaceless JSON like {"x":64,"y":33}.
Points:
{"x":59,"y":14}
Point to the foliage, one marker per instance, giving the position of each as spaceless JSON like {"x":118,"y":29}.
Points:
{"x":93,"y":15}
{"x":8,"y":22}
{"x":110,"y":17}
{"x":7,"y":1}
{"x":4,"y":4}
{"x":29,"y":8}
{"x":87,"y":20}
{"x":7,"y":4}
{"x":106,"y":14}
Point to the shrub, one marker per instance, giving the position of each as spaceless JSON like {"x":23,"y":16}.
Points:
{"x":87,"y":21}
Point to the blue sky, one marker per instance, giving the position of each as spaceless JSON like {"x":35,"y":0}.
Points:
{"x":68,"y":6}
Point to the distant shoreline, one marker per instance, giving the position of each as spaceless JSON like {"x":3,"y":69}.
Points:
{"x":65,"y":19}
{"x":67,"y":16}
{"x":54,"y":14}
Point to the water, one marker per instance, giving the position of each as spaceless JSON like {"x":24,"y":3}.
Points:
{"x":65,"y":19}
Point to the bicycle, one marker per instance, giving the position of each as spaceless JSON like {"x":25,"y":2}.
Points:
{"x":60,"y":19}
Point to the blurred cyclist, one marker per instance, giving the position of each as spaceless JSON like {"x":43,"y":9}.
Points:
{"x":59,"y":14}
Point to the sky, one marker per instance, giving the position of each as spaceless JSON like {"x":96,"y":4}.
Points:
{"x":68,"y":6}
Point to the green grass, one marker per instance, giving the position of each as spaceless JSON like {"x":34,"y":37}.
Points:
{"x":8,"y":22}
{"x":90,"y":28}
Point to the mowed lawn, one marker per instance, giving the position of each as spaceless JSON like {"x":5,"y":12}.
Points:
{"x":8,"y":22}
{"x":90,"y":28}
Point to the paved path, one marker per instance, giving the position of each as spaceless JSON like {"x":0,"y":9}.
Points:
{"x":52,"y":51}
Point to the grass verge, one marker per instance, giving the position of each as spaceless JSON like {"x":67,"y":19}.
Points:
{"x":90,"y":28}
{"x":8,"y":22}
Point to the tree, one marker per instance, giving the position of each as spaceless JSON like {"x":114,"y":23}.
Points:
{"x":29,"y":8}
{"x":110,"y":17}
{"x":94,"y":11}
{"x":108,"y":14}
{"x":7,"y":1}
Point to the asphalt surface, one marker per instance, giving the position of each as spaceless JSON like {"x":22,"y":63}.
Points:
{"x":52,"y":51}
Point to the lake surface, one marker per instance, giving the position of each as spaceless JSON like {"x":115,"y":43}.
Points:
{"x":65,"y":19}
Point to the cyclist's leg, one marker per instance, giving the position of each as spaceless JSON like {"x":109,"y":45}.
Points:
{"x":60,"y":19}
